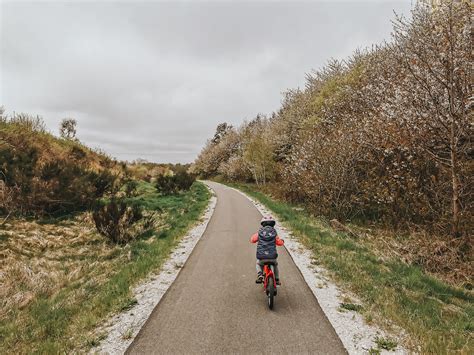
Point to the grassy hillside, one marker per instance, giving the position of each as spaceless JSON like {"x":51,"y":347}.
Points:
{"x":19,"y":132}
{"x":42,"y":174}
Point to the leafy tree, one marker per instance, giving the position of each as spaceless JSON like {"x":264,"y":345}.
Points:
{"x":258,"y":152}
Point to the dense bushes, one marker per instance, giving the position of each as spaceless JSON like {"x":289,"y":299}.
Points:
{"x":385,"y":135}
{"x":169,"y":184}
{"x":121,"y":219}
{"x":146,"y":171}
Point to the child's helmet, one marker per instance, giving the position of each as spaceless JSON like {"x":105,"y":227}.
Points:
{"x":267,"y":221}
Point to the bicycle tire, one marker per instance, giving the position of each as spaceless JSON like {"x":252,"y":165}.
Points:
{"x":270,"y":292}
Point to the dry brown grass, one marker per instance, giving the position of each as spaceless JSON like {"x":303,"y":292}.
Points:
{"x":40,"y":259}
{"x":59,"y":279}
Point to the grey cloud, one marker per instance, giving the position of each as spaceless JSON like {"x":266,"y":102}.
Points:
{"x":152,"y":79}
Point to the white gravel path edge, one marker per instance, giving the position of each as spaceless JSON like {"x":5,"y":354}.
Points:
{"x":356,"y":335}
{"x":122,"y":328}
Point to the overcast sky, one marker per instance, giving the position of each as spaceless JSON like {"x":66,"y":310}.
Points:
{"x":152,"y":79}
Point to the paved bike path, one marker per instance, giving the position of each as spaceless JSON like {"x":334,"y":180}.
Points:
{"x":215,"y":307}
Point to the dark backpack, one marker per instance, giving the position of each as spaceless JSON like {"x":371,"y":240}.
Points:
{"x":266,"y":246}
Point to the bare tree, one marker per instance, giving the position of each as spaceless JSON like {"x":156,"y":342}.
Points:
{"x":67,"y":128}
{"x":2,"y":114}
{"x":221,"y":130}
{"x":435,"y":91}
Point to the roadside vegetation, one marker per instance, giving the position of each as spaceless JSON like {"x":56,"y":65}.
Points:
{"x":437,"y":316}
{"x":384,"y":136}
{"x":376,"y":150}
{"x":382,"y":140}
{"x":77,"y":231}
{"x":41,"y":174}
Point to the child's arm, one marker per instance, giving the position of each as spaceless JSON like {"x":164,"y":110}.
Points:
{"x":279,"y":242}
{"x":254,"y":238}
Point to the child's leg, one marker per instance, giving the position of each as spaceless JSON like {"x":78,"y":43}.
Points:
{"x":276,"y":271}
{"x":259,"y":268}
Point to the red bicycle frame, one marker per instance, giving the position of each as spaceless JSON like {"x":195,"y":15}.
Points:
{"x":267,"y":270}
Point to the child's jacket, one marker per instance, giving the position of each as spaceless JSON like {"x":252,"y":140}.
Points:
{"x":267,"y":241}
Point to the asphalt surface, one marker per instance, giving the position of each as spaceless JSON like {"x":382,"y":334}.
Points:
{"x":215,"y":307}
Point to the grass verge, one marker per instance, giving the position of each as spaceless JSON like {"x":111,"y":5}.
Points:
{"x":438,"y":317}
{"x":86,"y":278}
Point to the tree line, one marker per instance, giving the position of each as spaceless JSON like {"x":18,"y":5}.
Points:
{"x":384,"y":135}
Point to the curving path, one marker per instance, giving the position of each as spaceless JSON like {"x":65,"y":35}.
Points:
{"x":215,"y":307}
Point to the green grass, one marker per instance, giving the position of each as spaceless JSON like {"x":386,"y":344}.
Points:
{"x":437,"y":316}
{"x":386,"y":343}
{"x":64,"y":322}
{"x":351,"y":307}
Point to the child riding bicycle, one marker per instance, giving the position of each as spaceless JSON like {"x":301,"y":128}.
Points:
{"x":267,"y":240}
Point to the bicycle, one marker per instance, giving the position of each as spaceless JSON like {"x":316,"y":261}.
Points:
{"x":269,"y":283}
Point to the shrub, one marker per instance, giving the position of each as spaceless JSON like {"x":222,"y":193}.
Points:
{"x":130,"y":188}
{"x":103,"y":182}
{"x":28,"y":122}
{"x":117,"y":221}
{"x":172,"y":184}
{"x":165,"y":184}
{"x":77,"y":153}
{"x":184,"y":180}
